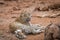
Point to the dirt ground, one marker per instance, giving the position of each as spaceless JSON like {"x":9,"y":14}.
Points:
{"x":10,"y":10}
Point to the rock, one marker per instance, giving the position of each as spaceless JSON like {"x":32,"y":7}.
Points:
{"x":52,"y":32}
{"x":54,"y":6}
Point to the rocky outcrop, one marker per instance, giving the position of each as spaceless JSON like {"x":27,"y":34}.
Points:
{"x":52,"y":32}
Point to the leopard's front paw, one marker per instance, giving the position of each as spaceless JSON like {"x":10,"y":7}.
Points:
{"x":19,"y":34}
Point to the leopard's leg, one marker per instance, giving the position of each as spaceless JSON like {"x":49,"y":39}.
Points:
{"x":37,"y":29}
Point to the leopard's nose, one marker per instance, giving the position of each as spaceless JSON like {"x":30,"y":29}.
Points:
{"x":28,"y":19}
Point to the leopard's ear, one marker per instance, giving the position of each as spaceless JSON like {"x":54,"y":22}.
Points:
{"x":50,"y":24}
{"x":22,"y":13}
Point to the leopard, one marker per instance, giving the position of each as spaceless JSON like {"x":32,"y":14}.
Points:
{"x":22,"y":26}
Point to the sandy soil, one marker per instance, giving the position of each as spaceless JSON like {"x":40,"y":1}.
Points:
{"x":10,"y":10}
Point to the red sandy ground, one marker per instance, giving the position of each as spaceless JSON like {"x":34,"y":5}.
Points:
{"x":9,"y":13}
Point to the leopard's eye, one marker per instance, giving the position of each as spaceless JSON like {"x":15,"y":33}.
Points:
{"x":25,"y":15}
{"x":29,"y":14}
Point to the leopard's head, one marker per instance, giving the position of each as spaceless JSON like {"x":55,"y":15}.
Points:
{"x":25,"y":16}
